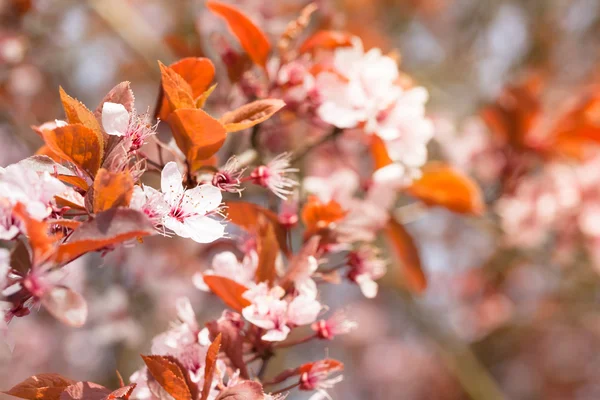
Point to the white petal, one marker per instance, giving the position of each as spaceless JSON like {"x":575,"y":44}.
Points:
{"x":204,"y":229}
{"x":202,"y":199}
{"x":176,"y":226}
{"x":276,"y":335}
{"x":171,"y":182}
{"x":115,"y":118}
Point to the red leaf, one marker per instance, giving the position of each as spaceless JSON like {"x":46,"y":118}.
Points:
{"x":250,"y":114}
{"x":112,"y":189}
{"x":210,"y":366}
{"x":442,"y":185}
{"x":109,"y":228}
{"x":405,"y":250}
{"x":379,"y":153}
{"x":326,"y":40}
{"x":85,"y":391}
{"x":169,"y":376}
{"x":40,"y":241}
{"x":197,"y":134}
{"x":122,"y":393}
{"x":317,"y":215}
{"x":41,"y":387}
{"x":228,"y":290}
{"x":230,"y":326}
{"x":330,"y":364}
{"x":77,"y":144}
{"x":120,"y":94}
{"x":267,"y":249}
{"x":245,"y":215}
{"x":253,"y":40}
{"x":66,"y":305}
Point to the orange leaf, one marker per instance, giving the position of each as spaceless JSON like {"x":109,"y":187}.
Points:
{"x":108,"y":228}
{"x":228,"y":290}
{"x":250,"y":114}
{"x":77,"y":113}
{"x":253,"y":40}
{"x":326,"y":40}
{"x":196,"y":133}
{"x":445,"y":186}
{"x":295,"y":28}
{"x":41,"y":387}
{"x":379,"y":152}
{"x":210,"y":365}
{"x":246,"y":215}
{"x":330,"y":364}
{"x":112,"y":189}
{"x":123,"y":393}
{"x":201,"y":100}
{"x":45,"y":151}
{"x":317,"y":215}
{"x":40,"y":241}
{"x":78,"y":144}
{"x":177,"y":92}
{"x":408,"y":255}
{"x":66,"y":223}
{"x":267,"y":249}
{"x":168,"y":375}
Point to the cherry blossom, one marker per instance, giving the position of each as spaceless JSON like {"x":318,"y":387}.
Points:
{"x":273,"y":176}
{"x":189,"y":209}
{"x":117,"y":121}
{"x":365,"y":269}
{"x":226,"y":264}
{"x":317,"y":378}
{"x":337,"y":324}
{"x":151,"y":202}
{"x":274,"y":314}
{"x":229,"y":178}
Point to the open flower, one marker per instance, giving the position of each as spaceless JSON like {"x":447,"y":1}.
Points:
{"x":274,"y":314}
{"x":188,"y":210}
{"x":117,"y":121}
{"x":227,"y":265}
{"x":337,"y":324}
{"x":273,"y":176}
{"x":365,"y":268}
{"x":317,"y":378}
{"x":151,"y":202}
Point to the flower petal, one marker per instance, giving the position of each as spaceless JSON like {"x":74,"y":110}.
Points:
{"x":115,"y":119}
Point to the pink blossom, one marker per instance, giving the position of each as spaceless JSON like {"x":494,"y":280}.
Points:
{"x":317,"y":378}
{"x":339,"y":185}
{"x":117,"y":121}
{"x":365,"y":268}
{"x":361,"y":86}
{"x":274,"y":314}
{"x":273,"y":176}
{"x":228,"y":179}
{"x":337,"y":324}
{"x":151,"y":202}
{"x":189,"y":209}
{"x":4,"y":266}
{"x":226,"y":264}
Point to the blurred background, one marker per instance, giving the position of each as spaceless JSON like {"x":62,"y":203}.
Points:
{"x":497,"y":321}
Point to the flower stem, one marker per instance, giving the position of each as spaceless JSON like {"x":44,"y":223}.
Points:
{"x":285,"y":389}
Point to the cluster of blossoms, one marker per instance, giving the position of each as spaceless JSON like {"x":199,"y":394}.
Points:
{"x":90,"y":189}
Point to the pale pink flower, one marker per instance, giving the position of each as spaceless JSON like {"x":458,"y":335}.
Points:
{"x":9,"y":227}
{"x":362,"y":86}
{"x":19,"y":184}
{"x":151,"y":202}
{"x":226,"y":264}
{"x":274,"y":314}
{"x":273,"y":176}
{"x":117,"y":121}
{"x":4,"y":266}
{"x":317,"y":378}
{"x":228,"y":179}
{"x":296,"y":85}
{"x":365,"y":268}
{"x":337,"y":324}
{"x":339,"y":185}
{"x":189,"y":209}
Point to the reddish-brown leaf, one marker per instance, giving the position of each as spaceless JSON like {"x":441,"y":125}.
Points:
{"x":331,"y":365}
{"x":112,"y":189}
{"x":108,"y":228}
{"x":406,"y":252}
{"x":267,"y":249}
{"x":250,"y":114}
{"x":78,"y":144}
{"x":20,"y":260}
{"x":253,"y":40}
{"x":210,"y":365}
{"x":177,"y":92}
{"x":45,"y":151}
{"x":41,"y":387}
{"x":123,"y":393}
{"x":65,"y":223}
{"x":40,"y":240}
{"x":120,"y":94}
{"x":326,"y":40}
{"x":66,"y":305}
{"x":197,"y":134}
{"x":169,"y":376}
{"x":247,"y":390}
{"x":228,"y":290}
{"x":44,"y":163}
{"x":445,"y":186}
{"x":295,"y":28}
{"x":77,"y":113}
{"x":232,"y":339}
{"x":379,"y":153}
{"x":245,"y":215}
{"x":85,"y":391}
{"x":318,"y":215}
